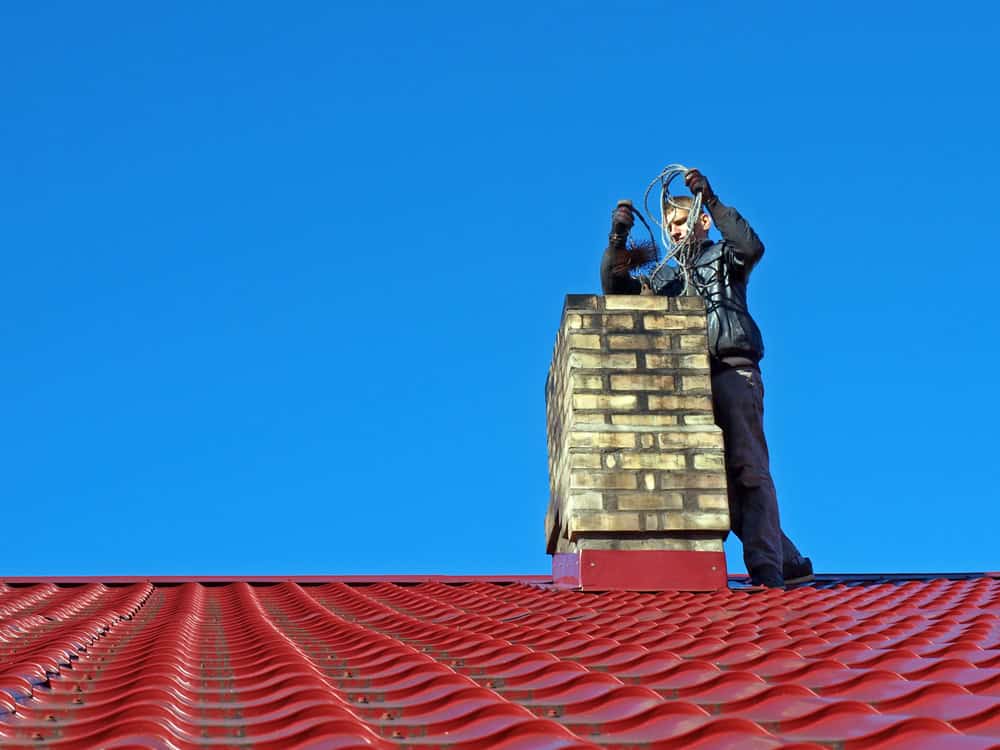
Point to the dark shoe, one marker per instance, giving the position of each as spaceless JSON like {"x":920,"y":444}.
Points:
{"x":769,"y":577}
{"x":798,"y":571}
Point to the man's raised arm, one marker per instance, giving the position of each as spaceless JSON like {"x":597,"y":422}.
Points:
{"x":615,"y":263}
{"x":734,"y":228}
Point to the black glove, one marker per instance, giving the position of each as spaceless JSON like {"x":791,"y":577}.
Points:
{"x":621,"y":224}
{"x":698,"y":183}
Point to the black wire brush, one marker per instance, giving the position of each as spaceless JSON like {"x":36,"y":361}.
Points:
{"x":641,"y":252}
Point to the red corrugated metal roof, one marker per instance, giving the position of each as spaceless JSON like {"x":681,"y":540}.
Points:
{"x":481,"y":663}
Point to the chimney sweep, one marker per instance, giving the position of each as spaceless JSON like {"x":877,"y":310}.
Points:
{"x":718,"y":272}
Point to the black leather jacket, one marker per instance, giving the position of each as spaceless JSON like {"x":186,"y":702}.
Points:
{"x":720,"y":277}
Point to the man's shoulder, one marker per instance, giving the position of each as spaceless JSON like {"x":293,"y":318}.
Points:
{"x":711,"y":251}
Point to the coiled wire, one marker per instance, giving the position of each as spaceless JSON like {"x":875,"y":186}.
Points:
{"x":685,"y":252}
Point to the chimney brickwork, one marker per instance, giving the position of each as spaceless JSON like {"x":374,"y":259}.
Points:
{"x":635,"y":458}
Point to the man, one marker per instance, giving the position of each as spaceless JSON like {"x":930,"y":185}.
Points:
{"x":718,"y":272}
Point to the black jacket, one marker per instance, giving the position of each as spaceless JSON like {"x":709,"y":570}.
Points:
{"x":721,"y":272}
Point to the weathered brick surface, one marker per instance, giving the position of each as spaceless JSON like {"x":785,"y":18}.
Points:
{"x":635,"y":459}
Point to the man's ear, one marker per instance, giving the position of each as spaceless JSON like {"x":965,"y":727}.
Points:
{"x":706,"y":222}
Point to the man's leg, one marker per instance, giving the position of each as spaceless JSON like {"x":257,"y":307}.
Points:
{"x":738,"y":400}
{"x":788,"y":549}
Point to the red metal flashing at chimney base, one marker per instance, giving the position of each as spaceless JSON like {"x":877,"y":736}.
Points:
{"x":640,"y":570}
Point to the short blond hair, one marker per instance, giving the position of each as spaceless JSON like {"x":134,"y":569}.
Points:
{"x":673,"y":203}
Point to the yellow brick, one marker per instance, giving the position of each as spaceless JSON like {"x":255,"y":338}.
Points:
{"x":603,"y":401}
{"x":620,"y":361}
{"x":686,"y":403}
{"x":709,"y":461}
{"x":655,"y":420}
{"x":618,"y":322}
{"x":636,"y":302}
{"x":706,"y":545}
{"x":581,"y":523}
{"x":637,"y":341}
{"x":690,"y":304}
{"x":584,"y":341}
{"x":574,"y":321}
{"x":707,"y":439}
{"x":585,"y":418}
{"x":584,"y":501}
{"x":650,"y":501}
{"x":646,"y":440}
{"x":713,"y":502}
{"x":699,"y":419}
{"x":651,"y":521}
{"x":602,"y":439}
{"x":654,"y":322}
{"x":642,"y":382}
{"x":694,"y":521}
{"x":649,"y":480}
{"x":662,"y":461}
{"x":659,"y":361}
{"x":693,"y":343}
{"x":585,"y":480}
{"x":585,"y":460}
{"x":695,"y":383}
{"x":693,"y":480}
{"x":587,"y":382}
{"x":582,"y":302}
{"x":694,"y":361}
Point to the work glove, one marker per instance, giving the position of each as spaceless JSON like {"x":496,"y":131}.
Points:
{"x":621,"y":224}
{"x":698,"y":183}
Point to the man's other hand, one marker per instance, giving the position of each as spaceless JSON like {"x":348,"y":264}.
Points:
{"x":621,"y":224}
{"x":621,"y":220}
{"x":698,"y":183}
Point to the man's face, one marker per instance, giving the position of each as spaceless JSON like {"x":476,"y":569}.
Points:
{"x":677,"y":224}
{"x":678,"y":228}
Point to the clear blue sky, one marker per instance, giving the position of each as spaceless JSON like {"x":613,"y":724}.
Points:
{"x":280,"y":281}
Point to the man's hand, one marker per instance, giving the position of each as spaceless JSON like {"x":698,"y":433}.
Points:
{"x":621,"y":219}
{"x":698,"y":183}
{"x":621,"y":224}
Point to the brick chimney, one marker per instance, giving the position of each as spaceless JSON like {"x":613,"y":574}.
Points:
{"x":636,"y":467}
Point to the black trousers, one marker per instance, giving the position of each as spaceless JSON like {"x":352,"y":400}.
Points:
{"x":738,"y":402}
